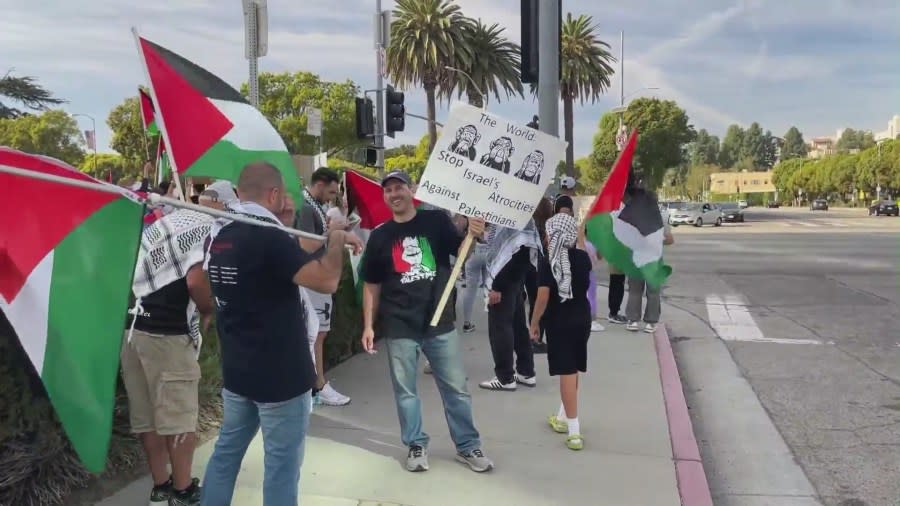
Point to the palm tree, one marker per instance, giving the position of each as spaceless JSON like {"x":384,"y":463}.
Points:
{"x":26,"y":91}
{"x":494,"y":66}
{"x":426,"y":37}
{"x":586,"y":71}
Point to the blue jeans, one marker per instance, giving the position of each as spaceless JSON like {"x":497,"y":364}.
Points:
{"x":443,"y":353}
{"x":283,"y":426}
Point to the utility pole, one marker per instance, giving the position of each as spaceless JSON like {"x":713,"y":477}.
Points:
{"x":380,"y":66}
{"x":620,"y":134}
{"x":548,"y":70}
{"x":256,"y":36}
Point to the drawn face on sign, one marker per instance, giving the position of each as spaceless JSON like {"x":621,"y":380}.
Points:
{"x":532,"y":167}
{"x":466,"y":138}
{"x":501,"y":149}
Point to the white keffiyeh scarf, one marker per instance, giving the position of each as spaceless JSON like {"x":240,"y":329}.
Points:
{"x":309,"y":199}
{"x":504,"y":242}
{"x":562,"y":232}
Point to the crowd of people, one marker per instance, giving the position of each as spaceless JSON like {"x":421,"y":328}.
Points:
{"x":271,"y":296}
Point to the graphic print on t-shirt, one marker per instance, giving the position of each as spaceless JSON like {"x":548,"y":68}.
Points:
{"x":413,"y":259}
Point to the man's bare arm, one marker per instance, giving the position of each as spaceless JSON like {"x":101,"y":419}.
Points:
{"x":324,"y":273}
{"x":371,"y":294}
{"x":199,"y":290}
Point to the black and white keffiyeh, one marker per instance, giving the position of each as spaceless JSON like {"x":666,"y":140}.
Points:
{"x":309,"y":199}
{"x":562,"y":232}
{"x":504,"y":242}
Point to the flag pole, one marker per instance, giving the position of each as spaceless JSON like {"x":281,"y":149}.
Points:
{"x":151,"y":198}
{"x":158,"y":115}
{"x":144,"y":120}
{"x":451,"y":283}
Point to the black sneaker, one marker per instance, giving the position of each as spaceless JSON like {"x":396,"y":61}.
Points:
{"x":160,"y":494}
{"x":617,"y":318}
{"x":468,"y":327}
{"x":539,"y":347}
{"x":187,"y":497}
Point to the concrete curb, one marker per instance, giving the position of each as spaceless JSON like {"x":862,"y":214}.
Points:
{"x":692,"y":485}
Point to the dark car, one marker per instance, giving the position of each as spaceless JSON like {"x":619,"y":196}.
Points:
{"x":731,"y":212}
{"x":884,"y":208}
{"x":818,"y":205}
{"x":773,"y":204}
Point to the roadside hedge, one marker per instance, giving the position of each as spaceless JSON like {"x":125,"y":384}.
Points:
{"x":38,"y":466}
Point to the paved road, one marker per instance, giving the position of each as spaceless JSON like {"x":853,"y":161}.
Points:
{"x":807,"y":307}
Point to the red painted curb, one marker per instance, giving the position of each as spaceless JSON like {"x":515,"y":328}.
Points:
{"x":692,"y":485}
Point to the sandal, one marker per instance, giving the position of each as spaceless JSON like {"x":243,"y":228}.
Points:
{"x":575,"y":442}
{"x":558,"y":425}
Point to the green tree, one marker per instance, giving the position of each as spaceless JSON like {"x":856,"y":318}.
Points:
{"x":109,"y":166}
{"x":494,"y":70}
{"x":793,"y":145}
{"x":26,"y":91}
{"x":586,"y":72}
{"x":284,"y":98}
{"x":757,"y":146}
{"x":403,"y":149}
{"x":426,"y":37}
{"x":854,"y":139}
{"x":604,"y":151}
{"x":731,"y":150}
{"x":412,"y":165}
{"x":664,"y":131}
{"x":128,"y":137}
{"x":697,"y":179}
{"x":52,"y":133}
{"x":705,"y":149}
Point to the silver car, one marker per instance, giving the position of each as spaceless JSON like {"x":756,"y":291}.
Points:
{"x":696,"y":215}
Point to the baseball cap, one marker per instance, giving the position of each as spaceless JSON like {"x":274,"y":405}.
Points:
{"x":567,"y":183}
{"x":221,"y":191}
{"x":397,"y":174}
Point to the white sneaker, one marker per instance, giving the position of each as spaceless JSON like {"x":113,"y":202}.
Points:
{"x":650,"y":328}
{"x":528,"y":381}
{"x":633,"y":326}
{"x":596,"y":327}
{"x":495,"y":384}
{"x":331,"y":397}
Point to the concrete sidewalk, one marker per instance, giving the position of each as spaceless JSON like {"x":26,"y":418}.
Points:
{"x":354,"y":455}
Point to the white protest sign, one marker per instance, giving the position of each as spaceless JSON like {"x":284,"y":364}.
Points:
{"x":489,"y":167}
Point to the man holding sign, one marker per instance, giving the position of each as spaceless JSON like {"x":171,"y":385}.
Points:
{"x":406,"y":267}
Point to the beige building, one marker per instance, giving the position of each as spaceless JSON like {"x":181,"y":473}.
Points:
{"x":741,"y":182}
{"x":821,"y":147}
{"x":892,"y":132}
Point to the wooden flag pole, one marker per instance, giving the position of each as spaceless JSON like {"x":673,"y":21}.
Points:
{"x":457,"y":267}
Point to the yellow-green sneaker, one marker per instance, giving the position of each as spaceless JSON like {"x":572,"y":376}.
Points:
{"x":558,"y":425}
{"x":575,"y":442}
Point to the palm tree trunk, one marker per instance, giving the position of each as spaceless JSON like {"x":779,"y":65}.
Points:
{"x":432,"y":113}
{"x":568,"y":122}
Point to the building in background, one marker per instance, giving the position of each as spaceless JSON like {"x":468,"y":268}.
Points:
{"x":729,"y":183}
{"x":892,"y":132}
{"x":820,"y":147}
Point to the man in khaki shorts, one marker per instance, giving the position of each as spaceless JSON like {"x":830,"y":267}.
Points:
{"x":161,"y":376}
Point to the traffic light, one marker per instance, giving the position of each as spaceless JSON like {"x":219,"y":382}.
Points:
{"x":395,"y":111}
{"x":365,"y":123}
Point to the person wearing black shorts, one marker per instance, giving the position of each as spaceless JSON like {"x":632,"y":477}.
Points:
{"x":562,"y":301}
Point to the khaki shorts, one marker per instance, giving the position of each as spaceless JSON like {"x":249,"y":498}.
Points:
{"x":161,"y":376}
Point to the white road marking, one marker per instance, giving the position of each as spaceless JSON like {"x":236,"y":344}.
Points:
{"x":731,"y":319}
{"x":836,"y":224}
{"x":803,"y":223}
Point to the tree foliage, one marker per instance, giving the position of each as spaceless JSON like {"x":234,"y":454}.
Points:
{"x":731,"y":149}
{"x":793,"y":145}
{"x":284,"y":98}
{"x":663,"y":132}
{"x":854,"y":139}
{"x":494,"y":70}
{"x":109,"y":166}
{"x":26,"y":91}
{"x":128,"y":138}
{"x":52,"y":133}
{"x":704,"y":150}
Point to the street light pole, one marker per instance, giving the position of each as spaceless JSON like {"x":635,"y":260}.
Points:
{"x":484,"y":98}
{"x":93,"y":133}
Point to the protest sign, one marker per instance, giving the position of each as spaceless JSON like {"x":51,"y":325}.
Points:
{"x":486,"y":166}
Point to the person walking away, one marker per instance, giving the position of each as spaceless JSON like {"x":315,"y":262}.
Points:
{"x":162,"y":376}
{"x":511,"y":252}
{"x":562,"y":301}
{"x":267,"y":372}
{"x":406,"y":267}
{"x":638,"y":288}
{"x":312,"y":218}
{"x":542,"y":212}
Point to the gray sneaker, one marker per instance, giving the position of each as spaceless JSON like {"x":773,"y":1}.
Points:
{"x":476,"y":461}
{"x":417,"y":459}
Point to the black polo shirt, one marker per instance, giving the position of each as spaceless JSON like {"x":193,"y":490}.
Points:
{"x":262,"y":329}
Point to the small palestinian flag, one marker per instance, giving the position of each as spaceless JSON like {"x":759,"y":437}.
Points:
{"x":210,"y":129}
{"x":65,"y":281}
{"x":147,"y":114}
{"x":629,"y":237}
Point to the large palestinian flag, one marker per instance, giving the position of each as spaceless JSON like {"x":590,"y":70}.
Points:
{"x":629,"y":237}
{"x":65,"y":280}
{"x":148,"y":116}
{"x":210,"y":129}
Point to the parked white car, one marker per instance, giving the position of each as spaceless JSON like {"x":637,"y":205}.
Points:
{"x":742,"y":204}
{"x":696,"y":215}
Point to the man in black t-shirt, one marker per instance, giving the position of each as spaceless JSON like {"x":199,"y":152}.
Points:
{"x":267,"y":369}
{"x":405,"y":269}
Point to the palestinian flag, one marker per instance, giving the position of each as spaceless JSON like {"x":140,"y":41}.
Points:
{"x":210,"y":129}
{"x":629,"y":237}
{"x":147,"y":114}
{"x":65,"y":282}
{"x":366,"y":199}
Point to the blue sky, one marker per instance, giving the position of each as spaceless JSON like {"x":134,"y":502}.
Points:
{"x":818,"y":64}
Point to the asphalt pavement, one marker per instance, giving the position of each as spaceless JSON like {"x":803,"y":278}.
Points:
{"x":785,"y":331}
